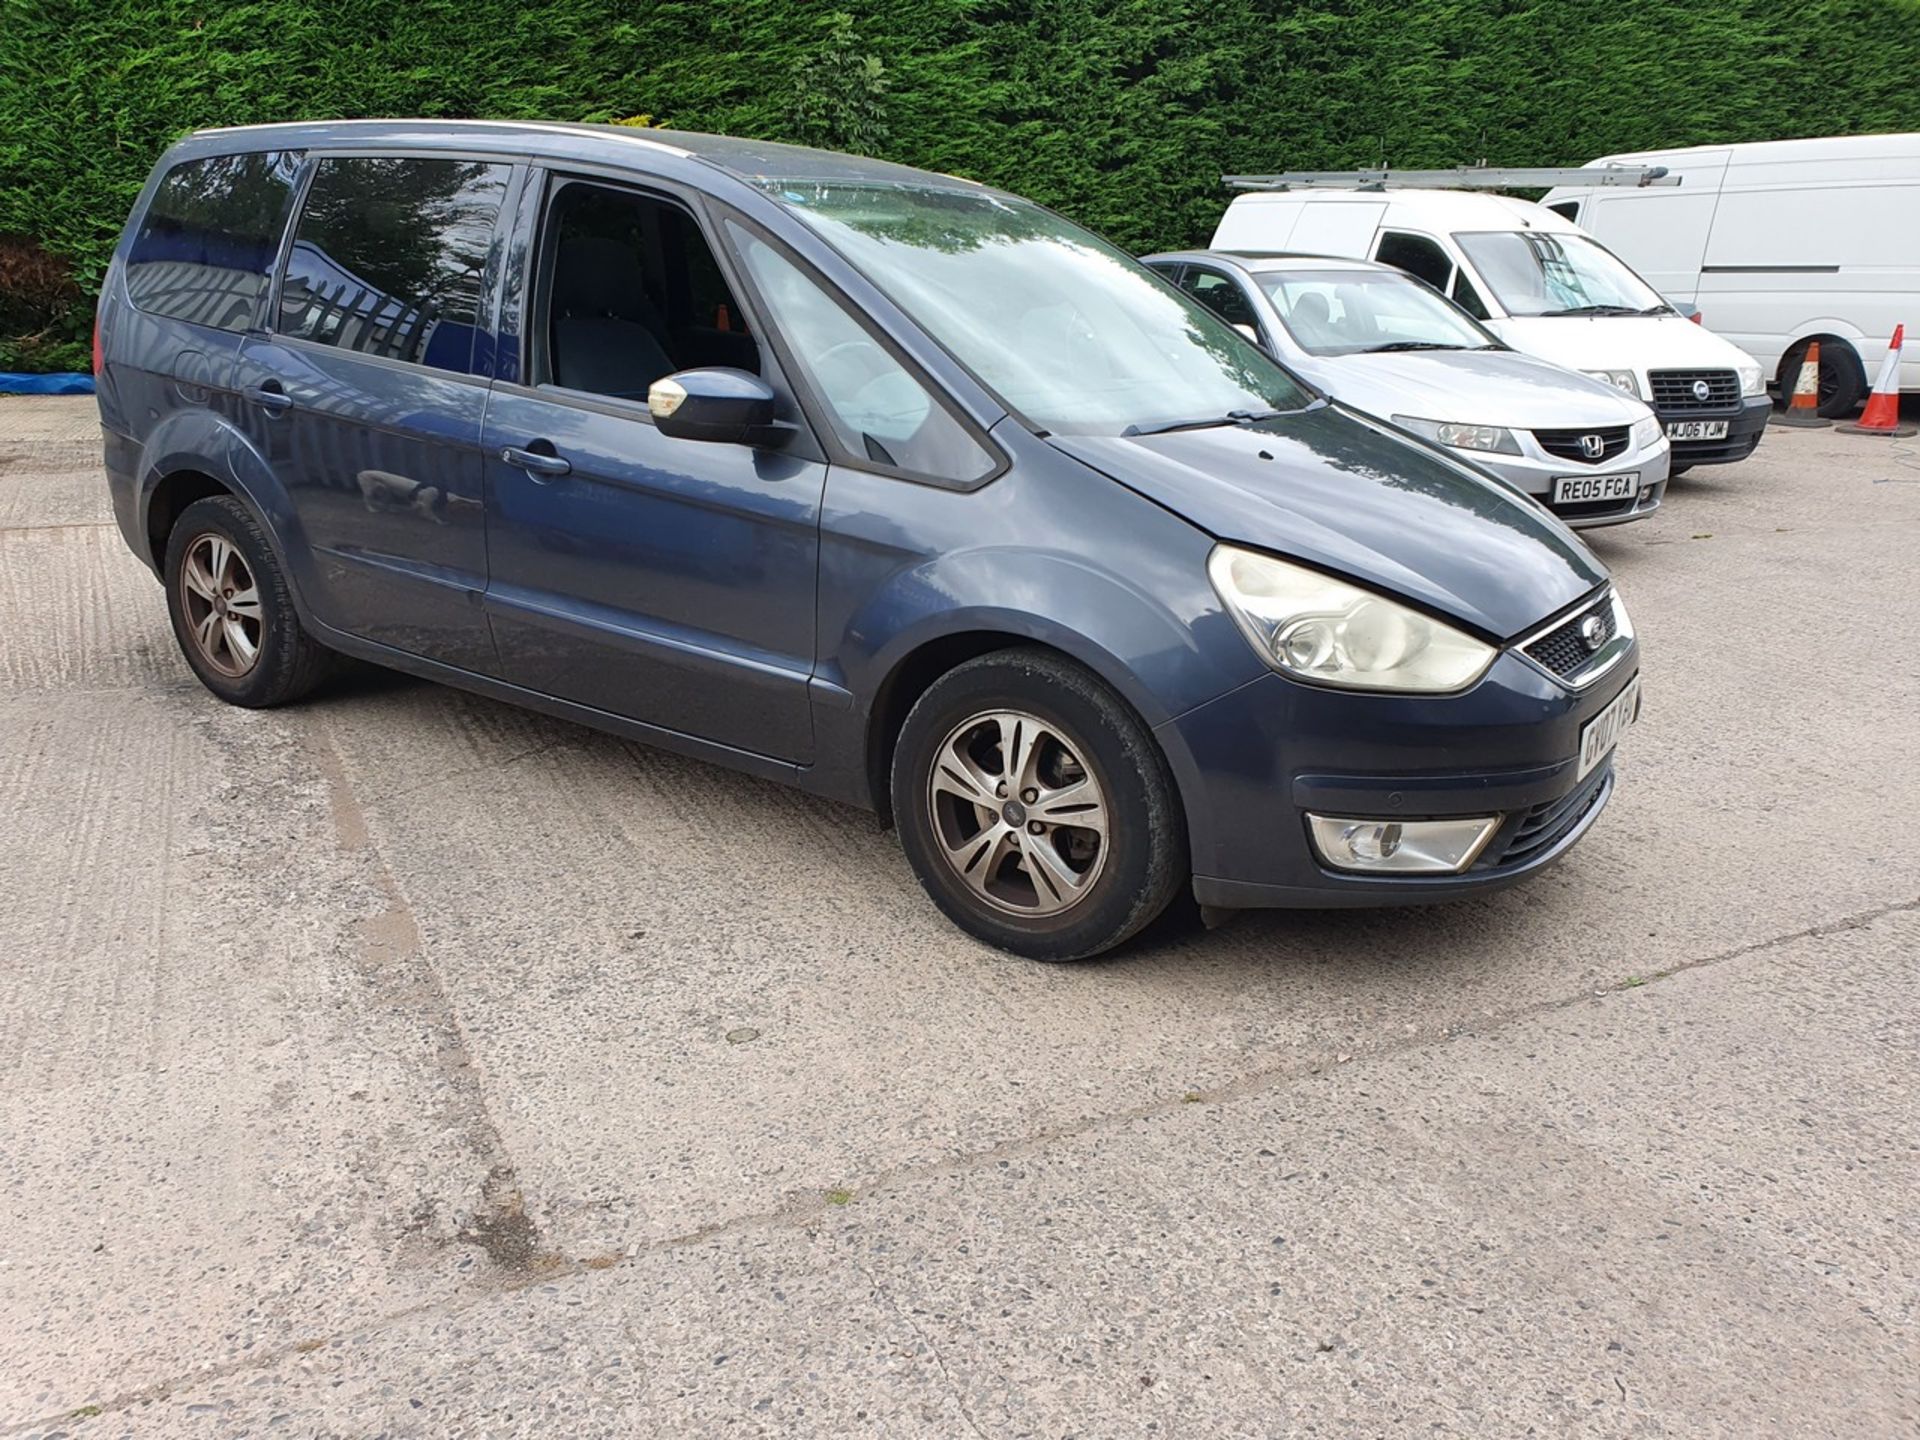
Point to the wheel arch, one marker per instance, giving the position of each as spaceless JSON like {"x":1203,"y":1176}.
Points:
{"x":194,"y":454}
{"x":912,"y":676}
{"x":1153,"y":634}
{"x":171,"y":494}
{"x":1828,"y":332}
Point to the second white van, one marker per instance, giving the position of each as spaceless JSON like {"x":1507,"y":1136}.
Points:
{"x":1779,"y":244}
{"x":1542,"y":285}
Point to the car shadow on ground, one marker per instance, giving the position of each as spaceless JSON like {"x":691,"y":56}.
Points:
{"x":788,"y":824}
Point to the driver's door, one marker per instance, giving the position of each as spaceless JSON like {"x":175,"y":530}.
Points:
{"x":668,"y":581}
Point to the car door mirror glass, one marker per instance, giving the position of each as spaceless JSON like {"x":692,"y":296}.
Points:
{"x":717,"y":404}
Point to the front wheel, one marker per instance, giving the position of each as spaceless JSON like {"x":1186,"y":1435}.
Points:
{"x":1036,"y":809}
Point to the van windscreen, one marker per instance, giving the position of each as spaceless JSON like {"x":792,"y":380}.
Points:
{"x":1075,"y":335}
{"x":1536,"y":272}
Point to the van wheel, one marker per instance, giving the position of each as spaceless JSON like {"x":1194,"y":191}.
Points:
{"x":1036,"y":809}
{"x":232,"y":613}
{"x":1843,"y":380}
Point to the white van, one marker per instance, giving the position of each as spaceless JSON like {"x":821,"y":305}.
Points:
{"x":1539,"y":283}
{"x":1778,"y":244}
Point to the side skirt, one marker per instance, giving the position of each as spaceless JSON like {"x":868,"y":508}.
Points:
{"x":800,"y":776}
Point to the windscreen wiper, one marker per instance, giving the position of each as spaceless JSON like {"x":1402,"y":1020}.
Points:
{"x":1594,"y":310}
{"x":1232,"y":417}
{"x":1661,"y":309}
{"x":1410,"y":345}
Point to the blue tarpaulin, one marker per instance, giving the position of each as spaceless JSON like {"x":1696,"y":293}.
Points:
{"x":12,"y":383}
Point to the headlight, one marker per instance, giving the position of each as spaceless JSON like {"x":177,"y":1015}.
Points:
{"x":1619,"y":379}
{"x":1457,"y":436}
{"x":1316,"y":627}
{"x":1753,"y":380}
{"x":1646,"y":431}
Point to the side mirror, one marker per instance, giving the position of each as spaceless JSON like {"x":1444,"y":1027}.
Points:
{"x":1247,"y":330}
{"x":731,"y":407}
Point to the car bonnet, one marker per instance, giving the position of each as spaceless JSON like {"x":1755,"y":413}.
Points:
{"x":1476,"y":387}
{"x":1338,"y":492}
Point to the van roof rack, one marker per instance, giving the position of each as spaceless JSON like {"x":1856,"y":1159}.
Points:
{"x":1461,"y":177}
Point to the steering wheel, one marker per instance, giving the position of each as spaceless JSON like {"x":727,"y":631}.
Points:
{"x":837,"y":355}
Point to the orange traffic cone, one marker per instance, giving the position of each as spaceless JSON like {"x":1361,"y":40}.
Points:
{"x":1804,"y":408}
{"x":1882,"y":415}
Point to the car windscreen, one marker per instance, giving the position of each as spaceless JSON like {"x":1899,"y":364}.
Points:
{"x":1355,"y":312}
{"x":1534,"y":272}
{"x":1073,"y":334}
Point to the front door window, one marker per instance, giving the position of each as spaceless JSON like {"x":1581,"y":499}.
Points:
{"x":1418,"y":256}
{"x":631,"y":292}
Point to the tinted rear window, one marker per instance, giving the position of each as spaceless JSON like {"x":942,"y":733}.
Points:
{"x":390,"y":256}
{"x":207,"y":243}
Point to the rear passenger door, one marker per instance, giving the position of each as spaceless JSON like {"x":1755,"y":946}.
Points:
{"x":664,"y":580}
{"x":366,"y":391}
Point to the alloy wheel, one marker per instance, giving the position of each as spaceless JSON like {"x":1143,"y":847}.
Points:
{"x":1017,"y":813}
{"x":221,"y":603}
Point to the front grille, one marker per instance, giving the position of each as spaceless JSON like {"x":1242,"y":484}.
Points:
{"x":1569,"y":444}
{"x":1715,"y":452}
{"x":1538,"y":830}
{"x":1673,"y":391}
{"x":1562,"y":651}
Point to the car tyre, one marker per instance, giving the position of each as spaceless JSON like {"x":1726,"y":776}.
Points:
{"x":1035,"y":807}
{"x":232,"y":611}
{"x":1843,"y":379}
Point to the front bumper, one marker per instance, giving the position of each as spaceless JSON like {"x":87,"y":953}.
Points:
{"x":1535,"y":472}
{"x":1255,"y":761}
{"x":1744,"y":429}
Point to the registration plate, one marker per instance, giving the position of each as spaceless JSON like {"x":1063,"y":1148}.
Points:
{"x":1600,"y":734}
{"x":1696,"y":430}
{"x":1580,"y":489}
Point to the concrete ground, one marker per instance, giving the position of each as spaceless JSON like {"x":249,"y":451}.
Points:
{"x":406,"y":1064}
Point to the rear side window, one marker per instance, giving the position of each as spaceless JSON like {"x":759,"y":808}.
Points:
{"x":1418,"y":256}
{"x":208,"y":241}
{"x":390,"y":255}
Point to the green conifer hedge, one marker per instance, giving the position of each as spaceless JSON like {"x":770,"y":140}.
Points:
{"x":1123,"y":115}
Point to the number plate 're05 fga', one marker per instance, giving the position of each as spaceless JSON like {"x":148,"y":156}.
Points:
{"x":1578,"y":489}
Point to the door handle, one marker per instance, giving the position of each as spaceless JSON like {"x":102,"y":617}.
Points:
{"x":269,"y":397}
{"x":541,"y":467}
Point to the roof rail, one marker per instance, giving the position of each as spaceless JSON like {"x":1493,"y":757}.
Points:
{"x":1461,"y":177}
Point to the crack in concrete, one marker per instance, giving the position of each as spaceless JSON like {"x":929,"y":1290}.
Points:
{"x":799,"y":1212}
{"x":906,"y":1318}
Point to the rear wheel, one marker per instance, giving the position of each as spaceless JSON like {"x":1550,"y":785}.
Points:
{"x":232,"y":612}
{"x":1035,"y":807}
{"x":1843,"y":380}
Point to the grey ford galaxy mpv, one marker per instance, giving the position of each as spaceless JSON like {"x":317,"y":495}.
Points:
{"x":884,"y":483}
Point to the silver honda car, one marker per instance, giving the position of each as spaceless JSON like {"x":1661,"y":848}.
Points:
{"x":1378,"y":340}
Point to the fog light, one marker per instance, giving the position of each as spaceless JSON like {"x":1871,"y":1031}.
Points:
{"x":1401,"y":846}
